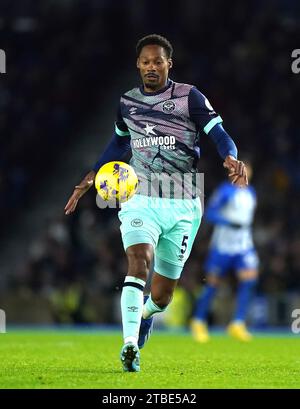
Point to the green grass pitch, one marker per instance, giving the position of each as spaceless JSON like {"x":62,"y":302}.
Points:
{"x":82,"y":359}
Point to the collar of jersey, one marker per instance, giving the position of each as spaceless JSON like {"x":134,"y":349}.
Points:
{"x":160,"y":91}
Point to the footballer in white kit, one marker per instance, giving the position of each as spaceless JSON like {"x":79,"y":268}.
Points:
{"x":231,"y":211}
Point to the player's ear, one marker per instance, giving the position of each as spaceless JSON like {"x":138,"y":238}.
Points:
{"x":170,"y":62}
{"x":138,"y":63}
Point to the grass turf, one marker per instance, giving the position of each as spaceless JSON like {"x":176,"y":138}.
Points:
{"x":77,"y":359}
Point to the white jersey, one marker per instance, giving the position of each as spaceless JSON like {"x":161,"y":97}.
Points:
{"x":231,"y":209}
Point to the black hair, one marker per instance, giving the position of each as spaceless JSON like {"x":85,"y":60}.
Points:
{"x":155,"y":39}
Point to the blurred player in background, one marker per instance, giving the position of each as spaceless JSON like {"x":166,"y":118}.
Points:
{"x":231,"y":210}
{"x":160,"y":121}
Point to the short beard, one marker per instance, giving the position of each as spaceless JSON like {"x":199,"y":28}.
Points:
{"x":151,"y":85}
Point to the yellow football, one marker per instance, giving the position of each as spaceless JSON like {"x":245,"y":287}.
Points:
{"x":116,"y":181}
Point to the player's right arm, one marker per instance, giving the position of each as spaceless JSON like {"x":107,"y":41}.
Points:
{"x":206,"y":119}
{"x":115,"y":150}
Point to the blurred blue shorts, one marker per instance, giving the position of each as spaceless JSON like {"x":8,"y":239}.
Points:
{"x":219,"y":263}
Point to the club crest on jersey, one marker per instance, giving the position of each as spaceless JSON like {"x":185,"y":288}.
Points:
{"x":168,"y":107}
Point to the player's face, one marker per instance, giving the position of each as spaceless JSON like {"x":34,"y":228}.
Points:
{"x":154,"y":66}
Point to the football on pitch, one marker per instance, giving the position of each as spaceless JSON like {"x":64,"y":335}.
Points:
{"x":116,"y":181}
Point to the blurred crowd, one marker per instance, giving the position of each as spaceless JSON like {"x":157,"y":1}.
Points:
{"x":56,"y":53}
{"x":239,"y":57}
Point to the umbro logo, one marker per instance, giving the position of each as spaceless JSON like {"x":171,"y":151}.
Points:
{"x":132,"y":110}
{"x":132,"y":309}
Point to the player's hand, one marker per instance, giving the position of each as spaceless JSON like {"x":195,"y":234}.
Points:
{"x":72,"y":202}
{"x":79,"y":191}
{"x":237,"y":172}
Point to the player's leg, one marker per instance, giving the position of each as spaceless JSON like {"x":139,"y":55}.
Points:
{"x":163,"y":285}
{"x":247,"y":272}
{"x":216,"y":266}
{"x":139,"y":258}
{"x":198,"y":323}
{"x":162,"y":289}
{"x":172,"y":251}
{"x":139,"y":235}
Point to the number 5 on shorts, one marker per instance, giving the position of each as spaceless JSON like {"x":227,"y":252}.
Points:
{"x":184,"y":244}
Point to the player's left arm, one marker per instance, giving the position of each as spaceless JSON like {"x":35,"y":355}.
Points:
{"x":116,"y":149}
{"x":206,"y":119}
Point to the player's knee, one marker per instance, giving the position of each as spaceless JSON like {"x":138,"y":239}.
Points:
{"x":139,"y":261}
